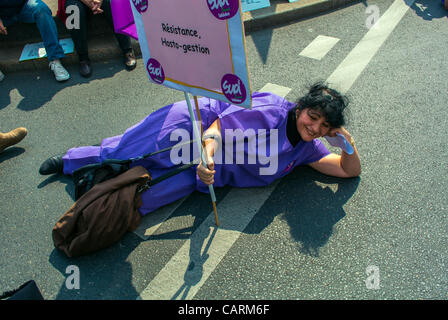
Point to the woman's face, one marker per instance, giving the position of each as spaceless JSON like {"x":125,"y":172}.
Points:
{"x":311,"y":124}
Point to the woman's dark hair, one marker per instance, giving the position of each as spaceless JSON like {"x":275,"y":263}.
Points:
{"x":326,"y":100}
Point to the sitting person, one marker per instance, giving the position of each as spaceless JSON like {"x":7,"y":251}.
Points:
{"x":36,"y":11}
{"x":289,"y":130}
{"x":12,"y":137}
{"x":79,"y":35}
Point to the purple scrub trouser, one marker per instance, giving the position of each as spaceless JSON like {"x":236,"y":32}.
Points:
{"x":161,"y":194}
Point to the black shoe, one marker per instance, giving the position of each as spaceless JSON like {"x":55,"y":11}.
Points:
{"x":54,"y":164}
{"x":129,"y":60}
{"x":85,"y":69}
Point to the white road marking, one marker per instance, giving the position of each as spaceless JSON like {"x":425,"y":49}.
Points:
{"x":351,"y":67}
{"x":190,"y":267}
{"x":319,"y":47}
{"x":275,"y":88}
{"x":193,"y":263}
{"x":152,"y":221}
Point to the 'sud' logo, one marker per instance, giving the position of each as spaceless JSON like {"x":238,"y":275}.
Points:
{"x":223,"y":9}
{"x":140,"y":5}
{"x":155,"y":71}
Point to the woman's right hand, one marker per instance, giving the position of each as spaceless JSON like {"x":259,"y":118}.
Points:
{"x":207,"y":173}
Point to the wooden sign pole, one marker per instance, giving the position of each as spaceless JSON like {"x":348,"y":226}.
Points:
{"x":200,"y":146}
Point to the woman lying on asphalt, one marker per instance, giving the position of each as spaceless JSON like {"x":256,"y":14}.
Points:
{"x":244,"y":148}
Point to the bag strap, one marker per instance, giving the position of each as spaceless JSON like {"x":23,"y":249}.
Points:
{"x":157,"y":152}
{"x":128,"y":161}
{"x":167,"y":175}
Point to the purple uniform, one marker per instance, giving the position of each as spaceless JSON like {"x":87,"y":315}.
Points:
{"x":256,"y":149}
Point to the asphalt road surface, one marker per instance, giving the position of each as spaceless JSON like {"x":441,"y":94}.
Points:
{"x":380,"y":236}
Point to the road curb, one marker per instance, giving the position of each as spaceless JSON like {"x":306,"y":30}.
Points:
{"x":104,"y":47}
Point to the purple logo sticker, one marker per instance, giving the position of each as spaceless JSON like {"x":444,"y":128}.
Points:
{"x":155,"y":71}
{"x":233,"y":88}
{"x":223,"y":9}
{"x":140,"y":5}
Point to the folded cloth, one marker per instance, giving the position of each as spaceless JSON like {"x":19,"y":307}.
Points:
{"x":102,"y":215}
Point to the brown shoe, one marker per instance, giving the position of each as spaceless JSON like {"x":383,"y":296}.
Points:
{"x":12,"y":137}
{"x":129,"y":60}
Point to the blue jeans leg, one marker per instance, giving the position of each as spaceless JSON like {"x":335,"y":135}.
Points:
{"x":36,"y":11}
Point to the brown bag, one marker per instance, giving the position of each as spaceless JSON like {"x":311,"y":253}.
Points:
{"x":102,"y":215}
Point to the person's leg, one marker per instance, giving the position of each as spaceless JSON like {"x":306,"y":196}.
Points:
{"x":124,"y":41}
{"x":79,"y":37}
{"x":163,"y":193}
{"x":167,"y":191}
{"x":36,"y":11}
{"x":78,"y":157}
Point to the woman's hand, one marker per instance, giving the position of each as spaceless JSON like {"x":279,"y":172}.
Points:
{"x":344,"y":165}
{"x":212,"y":140}
{"x":206,"y":174}
{"x":341,"y":130}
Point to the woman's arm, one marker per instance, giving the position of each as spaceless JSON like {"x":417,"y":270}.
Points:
{"x":212,"y":140}
{"x":344,"y":165}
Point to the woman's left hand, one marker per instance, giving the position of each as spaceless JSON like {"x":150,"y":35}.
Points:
{"x":344,"y":165}
{"x":341,"y":130}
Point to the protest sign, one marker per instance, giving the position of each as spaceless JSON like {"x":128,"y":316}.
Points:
{"x":196,"y":46}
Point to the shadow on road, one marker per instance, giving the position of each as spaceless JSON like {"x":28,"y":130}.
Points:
{"x":45,"y":87}
{"x":429,"y":9}
{"x":314,"y":210}
{"x":104,"y":275}
{"x":67,"y":180}
{"x":10,"y":153}
{"x":310,"y":202}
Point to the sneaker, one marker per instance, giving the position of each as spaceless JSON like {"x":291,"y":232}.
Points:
{"x":59,"y":71}
{"x":2,"y":76}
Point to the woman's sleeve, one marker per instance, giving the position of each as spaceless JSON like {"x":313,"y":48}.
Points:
{"x":211,"y":110}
